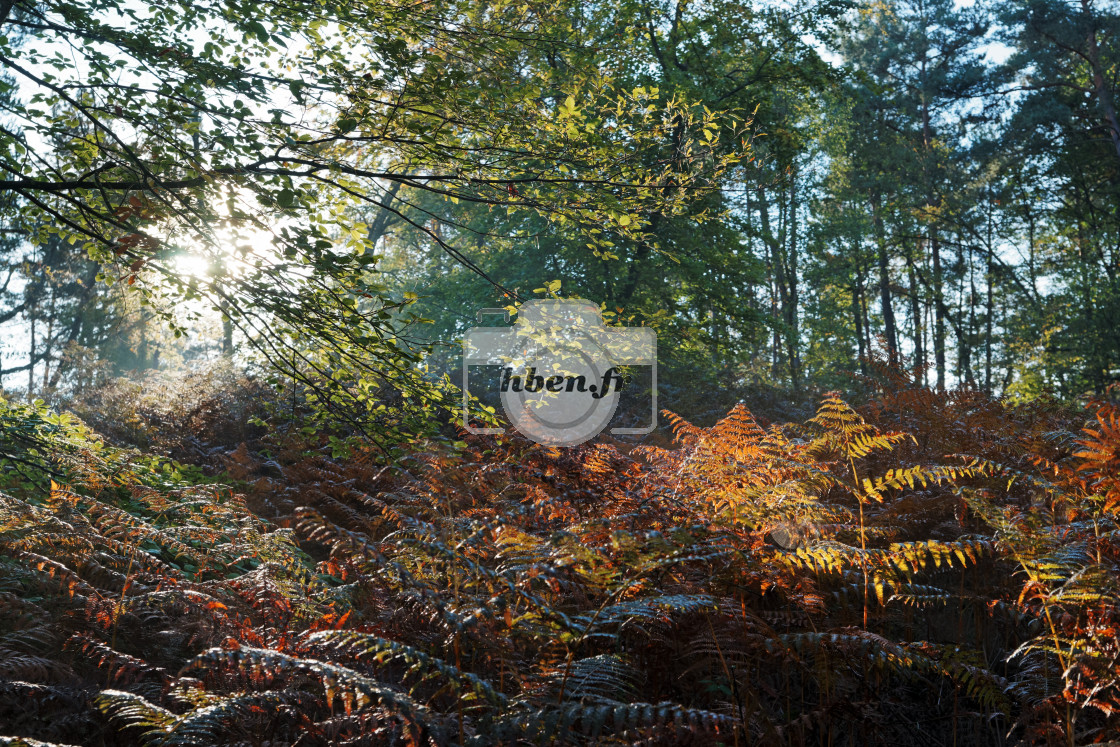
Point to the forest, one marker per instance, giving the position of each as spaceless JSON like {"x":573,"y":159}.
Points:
{"x":851,"y":478}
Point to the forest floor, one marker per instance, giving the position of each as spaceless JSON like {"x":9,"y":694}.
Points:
{"x":926,"y":568}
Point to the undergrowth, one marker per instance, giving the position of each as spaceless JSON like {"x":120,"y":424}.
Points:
{"x":930,"y":568}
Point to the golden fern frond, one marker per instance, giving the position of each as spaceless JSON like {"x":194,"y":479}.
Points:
{"x":846,"y":431}
{"x":911,"y":557}
{"x":922,"y":595}
{"x":683,"y":431}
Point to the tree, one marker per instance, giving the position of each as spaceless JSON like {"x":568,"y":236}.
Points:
{"x":918,"y":67}
{"x":700,"y":274}
{"x":192,"y":125}
{"x":1065,"y":131}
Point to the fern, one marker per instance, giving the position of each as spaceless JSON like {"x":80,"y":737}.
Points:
{"x":774,"y":584}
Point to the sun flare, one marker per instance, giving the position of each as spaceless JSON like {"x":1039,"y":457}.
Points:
{"x":192,"y":265}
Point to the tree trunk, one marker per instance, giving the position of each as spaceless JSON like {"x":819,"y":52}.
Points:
{"x":793,"y":332}
{"x":967,"y":300}
{"x":938,"y":311}
{"x":783,"y":262}
{"x":933,"y":240}
{"x":916,"y":319}
{"x":857,"y":316}
{"x":48,"y":341}
{"x":31,"y":348}
{"x":889,"y":330}
{"x":88,"y":283}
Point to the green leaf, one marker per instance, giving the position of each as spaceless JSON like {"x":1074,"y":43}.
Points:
{"x":257,"y":28}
